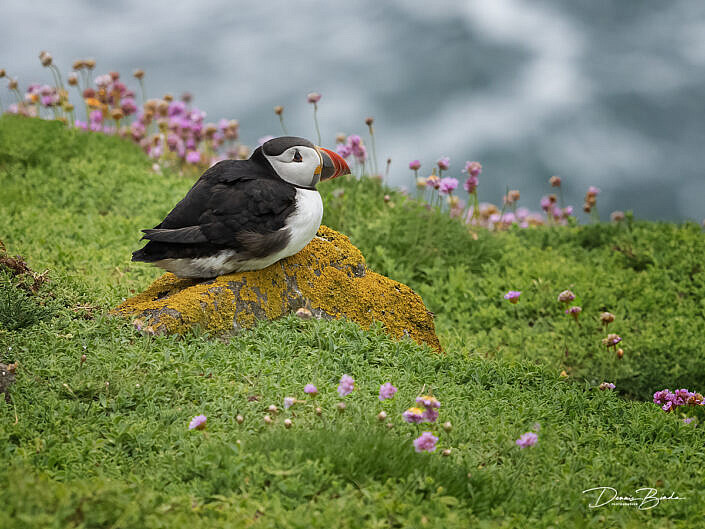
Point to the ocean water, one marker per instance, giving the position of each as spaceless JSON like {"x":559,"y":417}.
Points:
{"x":604,"y":93}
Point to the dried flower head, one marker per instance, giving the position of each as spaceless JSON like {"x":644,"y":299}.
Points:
{"x":45,"y":58}
{"x":574,"y":312}
{"x":89,"y":63}
{"x":267,"y":419}
{"x":566,"y":296}
{"x":72,"y":79}
{"x":617,"y":216}
{"x":447,"y":426}
{"x":555,"y":181}
{"x":278,"y":110}
{"x":606,"y":318}
{"x":239,"y":419}
{"x":341,"y":406}
{"x":369,"y":121}
{"x":620,"y":353}
{"x":287,"y":423}
{"x":513,"y":196}
{"x":611,"y":340}
{"x":138,"y":74}
{"x":381,"y":416}
{"x":606,"y":385}
{"x":319,"y":411}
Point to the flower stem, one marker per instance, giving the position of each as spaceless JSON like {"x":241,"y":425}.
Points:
{"x":281,"y":120}
{"x":374,"y":151}
{"x":315,"y":120}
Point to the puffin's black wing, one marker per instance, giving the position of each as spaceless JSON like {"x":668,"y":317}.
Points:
{"x":234,"y":205}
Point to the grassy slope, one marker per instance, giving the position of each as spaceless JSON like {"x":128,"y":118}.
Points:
{"x":89,"y":455}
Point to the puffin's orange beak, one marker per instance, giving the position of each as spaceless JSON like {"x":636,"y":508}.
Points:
{"x":333,"y":164}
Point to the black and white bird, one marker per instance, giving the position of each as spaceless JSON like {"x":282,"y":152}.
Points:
{"x":245,"y":214}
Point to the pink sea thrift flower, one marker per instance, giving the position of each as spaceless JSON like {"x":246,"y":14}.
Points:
{"x":289,"y":402}
{"x":426,"y":442}
{"x":471,"y":184}
{"x":193,"y":157}
{"x":347,"y":384}
{"x":310,"y":389}
{"x":592,"y":190}
{"x":688,"y":420}
{"x":413,"y":415}
{"x":448,"y":185}
{"x":513,"y":296}
{"x":473,"y":168}
{"x":574,"y":311}
{"x":198,"y":423}
{"x":428,"y":401}
{"x":386,"y":391}
{"x":443,"y":163}
{"x":415,"y":165}
{"x":430,"y":415}
{"x":313,"y":97}
{"x":607,"y":385}
{"x":527,"y":439}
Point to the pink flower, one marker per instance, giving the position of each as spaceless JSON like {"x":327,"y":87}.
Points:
{"x":606,"y":385}
{"x":413,"y":415}
{"x":473,"y":168}
{"x":448,"y":185}
{"x":527,"y":439}
{"x":471,"y":183}
{"x":415,"y":165}
{"x":198,"y":423}
{"x":512,"y":296}
{"x":428,"y":401}
{"x":313,"y":97}
{"x":289,"y":402}
{"x":426,"y":442}
{"x":310,"y":389}
{"x":386,"y":391}
{"x":566,"y":296}
{"x":430,"y":415}
{"x":592,"y":190}
{"x":443,"y":163}
{"x":347,"y":384}
{"x":193,"y":157}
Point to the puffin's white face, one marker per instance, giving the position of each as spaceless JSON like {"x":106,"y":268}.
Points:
{"x":299,"y":165}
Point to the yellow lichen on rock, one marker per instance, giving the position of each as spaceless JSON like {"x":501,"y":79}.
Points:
{"x":328,"y":277}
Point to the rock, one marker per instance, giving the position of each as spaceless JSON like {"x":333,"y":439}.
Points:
{"x":328,"y":277}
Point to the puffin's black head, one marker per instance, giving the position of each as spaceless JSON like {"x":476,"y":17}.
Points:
{"x":300,"y":162}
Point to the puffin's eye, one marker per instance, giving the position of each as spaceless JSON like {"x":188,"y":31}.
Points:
{"x":297,"y":156}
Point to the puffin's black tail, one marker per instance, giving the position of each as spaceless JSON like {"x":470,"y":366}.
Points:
{"x":141,"y":255}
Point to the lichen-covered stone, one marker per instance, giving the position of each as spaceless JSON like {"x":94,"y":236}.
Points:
{"x":328,"y":276}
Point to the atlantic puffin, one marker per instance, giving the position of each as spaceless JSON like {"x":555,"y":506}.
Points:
{"x":244,"y":215}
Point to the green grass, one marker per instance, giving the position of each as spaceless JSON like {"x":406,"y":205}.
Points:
{"x":78,"y":452}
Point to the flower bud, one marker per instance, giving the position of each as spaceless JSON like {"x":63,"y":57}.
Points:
{"x":45,"y":58}
{"x":513,"y":196}
{"x":83,"y":358}
{"x":446,"y":452}
{"x":447,"y":426}
{"x":287,"y":423}
{"x":117,"y":114}
{"x":78,"y":65}
{"x":620,"y":353}
{"x":390,"y":425}
{"x":2,"y":73}
{"x":267,"y":419}
{"x":369,"y":121}
{"x":319,"y":411}
{"x":72,"y":79}
{"x":272,"y":408}
{"x":340,"y":138}
{"x":381,"y":416}
{"x":341,"y":406}
{"x":587,"y":208}
{"x":313,"y":97}
{"x":387,"y":198}
{"x":606,"y":318}
{"x":240,"y":419}
{"x":186,"y":97}
{"x":278,"y":110}
{"x":12,"y":85}
{"x":552,"y":199}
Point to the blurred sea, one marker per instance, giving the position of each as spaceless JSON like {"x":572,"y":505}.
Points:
{"x":604,"y":93}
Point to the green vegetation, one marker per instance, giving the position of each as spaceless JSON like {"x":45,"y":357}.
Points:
{"x":104,"y":442}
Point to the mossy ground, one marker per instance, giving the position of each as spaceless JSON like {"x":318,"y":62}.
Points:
{"x":78,"y":452}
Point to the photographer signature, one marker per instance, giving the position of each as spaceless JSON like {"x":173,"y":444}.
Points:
{"x":648,"y":500}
